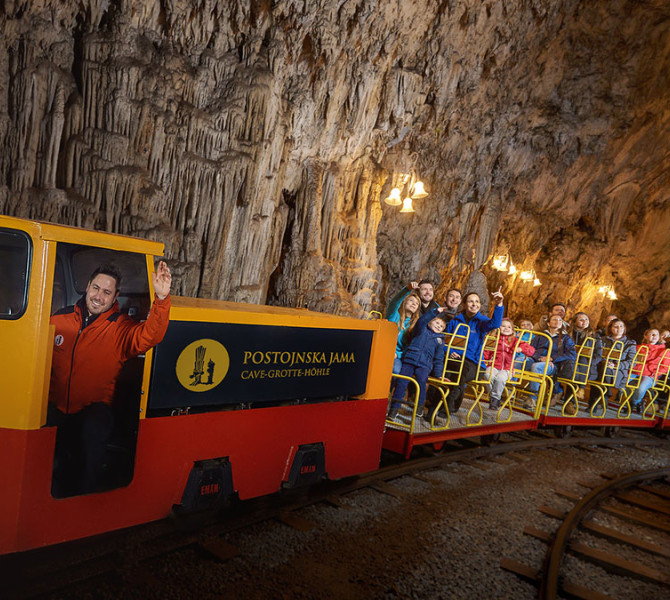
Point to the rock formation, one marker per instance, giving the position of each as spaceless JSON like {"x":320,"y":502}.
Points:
{"x":258,"y":139}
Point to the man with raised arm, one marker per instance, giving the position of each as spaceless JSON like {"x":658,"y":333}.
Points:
{"x":92,"y":341}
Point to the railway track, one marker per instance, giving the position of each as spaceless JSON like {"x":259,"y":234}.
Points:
{"x":641,"y":499}
{"x":123,"y":553}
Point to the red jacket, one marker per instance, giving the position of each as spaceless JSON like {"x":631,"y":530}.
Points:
{"x":506,"y":349}
{"x":654,"y":358}
{"x":86,"y":362}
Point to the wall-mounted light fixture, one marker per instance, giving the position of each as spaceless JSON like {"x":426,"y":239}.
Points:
{"x":528,"y":275}
{"x":500,"y":263}
{"x":608,"y":290}
{"x":413,"y":190}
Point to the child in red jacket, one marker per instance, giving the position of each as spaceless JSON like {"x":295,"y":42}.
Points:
{"x":657,"y":364}
{"x":508,"y":345}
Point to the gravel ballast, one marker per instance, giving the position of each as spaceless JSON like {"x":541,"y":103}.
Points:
{"x":444,"y":536}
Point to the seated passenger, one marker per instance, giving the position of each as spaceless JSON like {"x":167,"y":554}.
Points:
{"x":452,"y":302}
{"x":602,"y":332}
{"x":580,"y":330}
{"x":505,"y":355}
{"x":562,"y":360}
{"x":526,"y":336}
{"x":653,"y":367}
{"x":478,"y":326}
{"x":427,"y":293}
{"x":558,"y":308}
{"x":526,"y":324}
{"x":423,"y":355}
{"x":403,"y":310}
{"x":616,"y":332}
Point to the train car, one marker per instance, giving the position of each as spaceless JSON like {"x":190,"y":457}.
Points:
{"x":238,"y":400}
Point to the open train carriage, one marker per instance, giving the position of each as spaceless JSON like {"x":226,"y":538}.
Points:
{"x":237,"y":400}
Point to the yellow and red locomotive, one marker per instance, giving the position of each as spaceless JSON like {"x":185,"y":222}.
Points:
{"x":237,"y":399}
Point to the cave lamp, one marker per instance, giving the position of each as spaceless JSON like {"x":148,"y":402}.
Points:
{"x":512,"y":269}
{"x":407,"y":206}
{"x":393,"y":199}
{"x":527,"y":275}
{"x":419,"y":191}
{"x":500,"y":262}
{"x":608,"y":291}
{"x":536,"y":282}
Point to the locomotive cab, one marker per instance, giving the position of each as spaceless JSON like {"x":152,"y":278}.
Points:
{"x":45,"y":269}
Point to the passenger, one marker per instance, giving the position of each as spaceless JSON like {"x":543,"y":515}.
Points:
{"x":478,"y":326}
{"x":92,"y":341}
{"x":423,"y":355}
{"x":403,"y":310}
{"x":526,"y":324}
{"x":562,"y":359}
{"x":558,"y":308}
{"x":427,"y":294}
{"x":655,"y":365}
{"x":505,"y":356}
{"x":527,"y":327}
{"x":616,"y":332}
{"x":602,"y":332}
{"x":580,"y":330}
{"x":452,"y":302}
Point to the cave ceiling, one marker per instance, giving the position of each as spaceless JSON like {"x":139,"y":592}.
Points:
{"x":258,"y":140}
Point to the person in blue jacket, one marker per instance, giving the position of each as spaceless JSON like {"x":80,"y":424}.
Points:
{"x":561,"y":362}
{"x":424,"y":354}
{"x":478,"y":326}
{"x":404,"y":310}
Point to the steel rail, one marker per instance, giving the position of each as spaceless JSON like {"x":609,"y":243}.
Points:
{"x":556,"y":551}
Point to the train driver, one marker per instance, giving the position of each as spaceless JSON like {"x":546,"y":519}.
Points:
{"x":91,"y":343}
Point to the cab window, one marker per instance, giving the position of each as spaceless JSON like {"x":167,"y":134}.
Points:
{"x":15,"y":257}
{"x":75,"y":263}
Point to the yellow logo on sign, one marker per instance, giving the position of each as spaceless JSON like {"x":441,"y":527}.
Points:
{"x":202,"y":365}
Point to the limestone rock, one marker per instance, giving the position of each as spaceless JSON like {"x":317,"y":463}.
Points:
{"x":257,"y":140}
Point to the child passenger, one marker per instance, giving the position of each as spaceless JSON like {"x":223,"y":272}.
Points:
{"x":505,"y":356}
{"x":655,"y":365}
{"x":424,"y":354}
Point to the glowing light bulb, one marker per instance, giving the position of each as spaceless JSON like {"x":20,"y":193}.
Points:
{"x":536,"y":282}
{"x":512,"y":269}
{"x":500,"y":262}
{"x":393,"y":199}
{"x":407,"y":206}
{"x":419,"y":191}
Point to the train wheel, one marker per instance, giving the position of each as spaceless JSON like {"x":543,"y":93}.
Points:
{"x":564,"y":431}
{"x":438,"y":448}
{"x":489,"y":440}
{"x":611,"y":431}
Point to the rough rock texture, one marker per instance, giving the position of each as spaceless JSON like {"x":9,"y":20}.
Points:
{"x":257,"y":138}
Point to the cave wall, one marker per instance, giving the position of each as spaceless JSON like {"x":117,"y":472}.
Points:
{"x":256,"y":139}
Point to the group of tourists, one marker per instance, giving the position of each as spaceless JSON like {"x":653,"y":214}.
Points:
{"x":421,"y":351}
